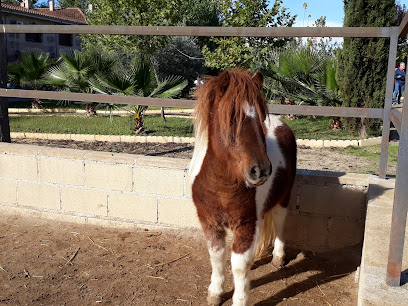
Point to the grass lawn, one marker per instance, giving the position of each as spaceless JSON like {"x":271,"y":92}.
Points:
{"x":304,"y":128}
{"x":99,"y":125}
{"x":373,"y":153}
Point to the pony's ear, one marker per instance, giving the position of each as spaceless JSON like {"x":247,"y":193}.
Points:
{"x":258,"y":78}
{"x":223,"y":81}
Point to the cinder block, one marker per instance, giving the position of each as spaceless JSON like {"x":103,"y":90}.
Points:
{"x":293,"y":201}
{"x":8,"y":192}
{"x":113,"y":158}
{"x":378,"y":218}
{"x":370,"y":141}
{"x":82,"y":200}
{"x":376,"y":248}
{"x":315,"y":143}
{"x":82,"y":137}
{"x":163,"y":162}
{"x":159,"y":181}
{"x":141,"y":139}
{"x":377,"y":192}
{"x":62,"y":171}
{"x":332,"y":201}
{"x":153,"y":138}
{"x":330,"y":177}
{"x":10,"y":148}
{"x":307,"y":232}
{"x":127,"y":138}
{"x":345,"y":232}
{"x":107,"y":138}
{"x":132,"y":206}
{"x":38,"y":195}
{"x":109,"y":176}
{"x":59,"y":136}
{"x":18,"y":167}
{"x":63,"y":153}
{"x":17,"y":135}
{"x":178,"y":212}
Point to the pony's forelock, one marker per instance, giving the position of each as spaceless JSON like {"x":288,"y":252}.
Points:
{"x":228,"y":95}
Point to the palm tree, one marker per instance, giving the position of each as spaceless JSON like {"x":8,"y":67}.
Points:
{"x":304,"y":75}
{"x":137,"y":79}
{"x":28,"y":71}
{"x":75,"y":69}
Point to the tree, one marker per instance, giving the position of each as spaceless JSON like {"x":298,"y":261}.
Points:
{"x":238,"y":51}
{"x":4,"y":118}
{"x":363,"y":61}
{"x":303,"y":74}
{"x":28,"y":71}
{"x":137,"y":79}
{"x":75,"y":70}
{"x":133,"y":13}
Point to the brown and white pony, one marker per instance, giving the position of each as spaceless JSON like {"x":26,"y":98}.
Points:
{"x":242,"y":172}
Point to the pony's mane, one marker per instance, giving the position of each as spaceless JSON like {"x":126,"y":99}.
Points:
{"x":229,"y":93}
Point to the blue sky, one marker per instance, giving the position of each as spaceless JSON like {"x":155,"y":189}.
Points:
{"x":332,"y":9}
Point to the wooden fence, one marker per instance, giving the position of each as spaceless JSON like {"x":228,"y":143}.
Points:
{"x":387,"y":114}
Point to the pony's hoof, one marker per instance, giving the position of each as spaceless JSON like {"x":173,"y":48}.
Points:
{"x":277,"y":262}
{"x":213,"y":299}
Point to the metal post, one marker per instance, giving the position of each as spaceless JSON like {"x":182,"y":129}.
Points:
{"x":4,"y":119}
{"x":399,"y":211}
{"x":392,"y":57}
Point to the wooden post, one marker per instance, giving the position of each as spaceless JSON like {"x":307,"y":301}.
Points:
{"x":4,"y":118}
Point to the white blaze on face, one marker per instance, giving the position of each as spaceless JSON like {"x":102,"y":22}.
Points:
{"x":250,"y":110}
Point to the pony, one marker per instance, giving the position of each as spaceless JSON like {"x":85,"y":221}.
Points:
{"x":242,"y":172}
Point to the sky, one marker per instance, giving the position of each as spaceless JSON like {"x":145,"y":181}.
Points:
{"x":332,"y":9}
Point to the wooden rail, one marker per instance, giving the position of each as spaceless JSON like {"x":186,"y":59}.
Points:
{"x":202,"y":31}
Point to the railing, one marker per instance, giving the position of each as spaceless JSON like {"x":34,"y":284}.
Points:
{"x":387,"y":114}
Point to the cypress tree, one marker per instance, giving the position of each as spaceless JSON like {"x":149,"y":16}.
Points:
{"x":362,"y":70}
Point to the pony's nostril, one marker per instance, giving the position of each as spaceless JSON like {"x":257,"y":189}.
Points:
{"x":255,"y":173}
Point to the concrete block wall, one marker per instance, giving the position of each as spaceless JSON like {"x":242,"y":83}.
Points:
{"x":326,"y":210}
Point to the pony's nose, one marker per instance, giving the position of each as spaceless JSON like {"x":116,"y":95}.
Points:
{"x":259,"y":173}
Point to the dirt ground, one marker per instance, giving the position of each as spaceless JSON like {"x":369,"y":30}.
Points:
{"x":54,"y":263}
{"x":327,"y":159}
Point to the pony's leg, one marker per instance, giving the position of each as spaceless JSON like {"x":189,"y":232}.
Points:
{"x":241,"y":261}
{"x":217,"y":250}
{"x":279,"y":216}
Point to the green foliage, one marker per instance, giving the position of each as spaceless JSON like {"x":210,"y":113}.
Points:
{"x":137,"y":79}
{"x":302,"y":74}
{"x":239,"y":51}
{"x":130,"y":13}
{"x":28,"y":70}
{"x":363,"y":61}
{"x":182,"y":56}
{"x":75,"y":69}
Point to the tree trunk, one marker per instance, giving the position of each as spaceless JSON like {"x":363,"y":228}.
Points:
{"x":139,"y":124}
{"x":91,"y":109}
{"x":163,"y":116}
{"x":4,"y":118}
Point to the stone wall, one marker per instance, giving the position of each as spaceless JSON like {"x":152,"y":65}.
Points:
{"x":327,"y":209}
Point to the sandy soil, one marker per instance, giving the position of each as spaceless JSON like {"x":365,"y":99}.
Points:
{"x":328,"y":159}
{"x":54,"y":263}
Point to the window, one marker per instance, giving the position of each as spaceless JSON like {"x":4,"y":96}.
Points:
{"x":65,"y":40}
{"x":34,"y":37}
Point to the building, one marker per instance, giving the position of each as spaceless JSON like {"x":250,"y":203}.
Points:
{"x":51,"y":43}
